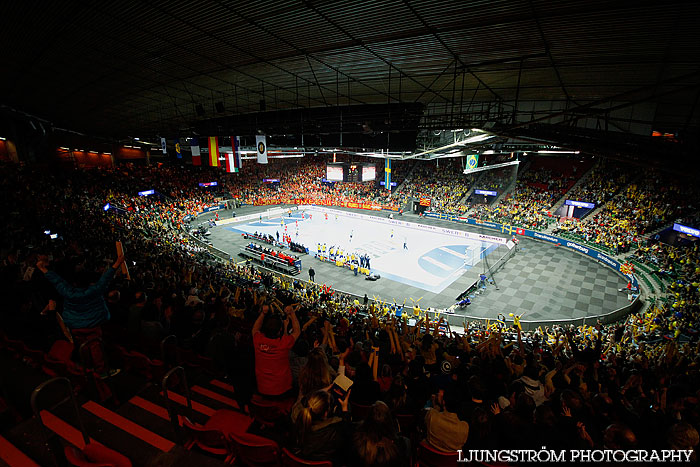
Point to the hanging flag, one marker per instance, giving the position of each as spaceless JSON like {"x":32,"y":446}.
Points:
{"x":196,"y":154}
{"x":164,"y":145}
{"x":213,"y":151}
{"x":387,"y":174}
{"x":261,"y":143}
{"x":233,"y":160}
{"x":472,"y":161}
{"x":178,"y":152}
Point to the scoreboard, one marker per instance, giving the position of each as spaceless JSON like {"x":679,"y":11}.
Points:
{"x":351,"y":172}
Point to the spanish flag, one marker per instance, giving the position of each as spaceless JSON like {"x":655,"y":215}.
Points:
{"x":213,"y":151}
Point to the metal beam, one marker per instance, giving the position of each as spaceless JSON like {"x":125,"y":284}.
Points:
{"x":360,"y":43}
{"x":433,"y":31}
{"x":593,"y":104}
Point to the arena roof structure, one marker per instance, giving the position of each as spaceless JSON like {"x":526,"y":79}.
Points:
{"x":582,"y":72}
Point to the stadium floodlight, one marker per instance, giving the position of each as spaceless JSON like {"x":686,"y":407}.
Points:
{"x":2,"y":138}
{"x":549,"y":151}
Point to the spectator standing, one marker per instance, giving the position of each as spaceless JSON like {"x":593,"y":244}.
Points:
{"x":312,"y":275}
{"x":84,"y":306}
{"x":272,"y":370}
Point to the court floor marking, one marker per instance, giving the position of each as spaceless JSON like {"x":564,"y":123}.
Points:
{"x":452,"y":252}
{"x":437,"y":263}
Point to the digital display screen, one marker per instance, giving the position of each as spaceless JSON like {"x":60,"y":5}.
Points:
{"x":271,"y":180}
{"x":105,"y":207}
{"x":425,"y":201}
{"x":686,"y":230}
{"x":383,"y":183}
{"x":146,"y":193}
{"x":486,"y":192}
{"x":579,"y":204}
{"x":334,"y":173}
{"x":209,"y":184}
{"x":369,"y":173}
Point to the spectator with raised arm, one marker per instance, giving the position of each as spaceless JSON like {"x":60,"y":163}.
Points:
{"x":272,"y":346}
{"x":84,"y":306}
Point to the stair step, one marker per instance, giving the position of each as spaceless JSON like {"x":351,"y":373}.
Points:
{"x":149,"y":420}
{"x":222,"y":385}
{"x":139,"y":451}
{"x":64,"y":429}
{"x":182,"y":400}
{"x":128,"y":426}
{"x":13,"y":457}
{"x":149,"y":406}
{"x":215,"y":396}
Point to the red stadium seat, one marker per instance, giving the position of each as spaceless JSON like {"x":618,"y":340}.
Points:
{"x":253,"y":450}
{"x":141,"y":364}
{"x":268,"y":412}
{"x":209,"y":440}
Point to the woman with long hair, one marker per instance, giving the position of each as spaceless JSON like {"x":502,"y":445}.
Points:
{"x":377,"y":442}
{"x":321,"y":435}
{"x":316,"y":374}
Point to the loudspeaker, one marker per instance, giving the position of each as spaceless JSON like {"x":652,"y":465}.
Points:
{"x":219,"y":107}
{"x":199,"y":108}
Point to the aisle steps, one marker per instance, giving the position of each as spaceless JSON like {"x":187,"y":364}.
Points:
{"x":13,"y":457}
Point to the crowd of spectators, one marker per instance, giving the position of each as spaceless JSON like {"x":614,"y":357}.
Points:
{"x":442,"y":181}
{"x":633,"y":384}
{"x":301,"y":181}
{"x":530,"y":202}
{"x":648,"y":203}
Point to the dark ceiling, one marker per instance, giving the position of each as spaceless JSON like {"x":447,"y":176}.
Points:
{"x":169,"y":67}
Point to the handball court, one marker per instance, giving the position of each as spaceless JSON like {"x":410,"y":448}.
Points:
{"x":543,"y":281}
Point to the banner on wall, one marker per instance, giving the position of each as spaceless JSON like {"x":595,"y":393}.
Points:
{"x":261,"y":145}
{"x":164,"y":145}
